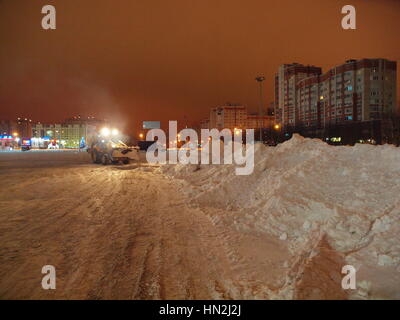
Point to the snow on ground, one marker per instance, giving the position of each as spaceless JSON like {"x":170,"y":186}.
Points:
{"x":332,"y":206}
{"x":179,"y":232}
{"x":121,"y":232}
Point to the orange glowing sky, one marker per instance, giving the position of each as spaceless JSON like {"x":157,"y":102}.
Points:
{"x":134,"y":60}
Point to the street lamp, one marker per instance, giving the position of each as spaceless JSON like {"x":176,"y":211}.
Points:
{"x":260,"y":80}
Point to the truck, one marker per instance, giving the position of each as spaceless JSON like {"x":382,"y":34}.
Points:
{"x":106,"y":148}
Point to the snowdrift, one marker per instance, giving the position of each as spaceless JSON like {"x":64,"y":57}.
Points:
{"x":315,"y":197}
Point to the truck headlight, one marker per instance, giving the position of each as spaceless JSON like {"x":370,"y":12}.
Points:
{"x":105,"y":132}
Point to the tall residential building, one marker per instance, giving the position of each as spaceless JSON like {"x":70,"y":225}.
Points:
{"x":285,"y":90}
{"x":359,"y":90}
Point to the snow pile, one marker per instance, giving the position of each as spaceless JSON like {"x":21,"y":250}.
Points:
{"x":305,"y":192}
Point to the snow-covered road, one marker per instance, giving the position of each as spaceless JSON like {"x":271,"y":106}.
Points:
{"x":202,"y":232}
{"x":123,"y":232}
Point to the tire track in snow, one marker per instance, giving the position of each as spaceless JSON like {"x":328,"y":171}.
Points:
{"x":123,"y":234}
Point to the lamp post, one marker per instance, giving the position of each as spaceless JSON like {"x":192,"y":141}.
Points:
{"x":260,"y":80}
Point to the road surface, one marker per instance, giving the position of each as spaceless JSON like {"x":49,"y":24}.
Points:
{"x":122,"y":232}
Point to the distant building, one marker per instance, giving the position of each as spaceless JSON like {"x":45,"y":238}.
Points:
{"x":24,"y":127}
{"x":85,"y":120}
{"x":8,"y":127}
{"x":359,"y":90}
{"x":205,"y":124}
{"x":228,"y":116}
{"x":12,"y":132}
{"x":233,"y":116}
{"x":68,"y":134}
{"x":255,"y":121}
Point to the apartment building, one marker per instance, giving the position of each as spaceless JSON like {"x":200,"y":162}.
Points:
{"x":285,"y":90}
{"x":358,"y":90}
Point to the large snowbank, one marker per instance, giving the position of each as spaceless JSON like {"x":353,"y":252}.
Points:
{"x":308,"y":193}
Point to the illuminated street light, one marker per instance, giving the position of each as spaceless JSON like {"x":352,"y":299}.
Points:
{"x":115,"y":132}
{"x":15,"y":134}
{"x":277,"y":127}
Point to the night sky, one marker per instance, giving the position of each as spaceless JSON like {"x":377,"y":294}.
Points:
{"x":134,"y":60}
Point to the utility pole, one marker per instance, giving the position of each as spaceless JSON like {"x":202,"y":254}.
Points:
{"x":260,"y":80}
